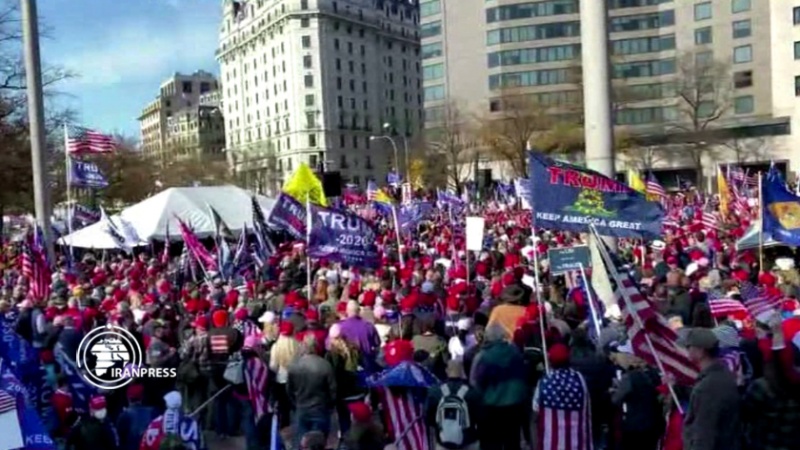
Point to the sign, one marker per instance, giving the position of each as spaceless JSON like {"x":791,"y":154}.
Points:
{"x":86,"y":174}
{"x":475,"y":227}
{"x":342,"y":236}
{"x":568,"y":259}
{"x":568,"y":197}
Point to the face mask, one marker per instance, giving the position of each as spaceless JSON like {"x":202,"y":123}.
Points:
{"x":100,"y":414}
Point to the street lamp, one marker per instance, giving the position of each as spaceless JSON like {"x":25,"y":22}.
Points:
{"x":387,"y":127}
{"x":394,"y":147}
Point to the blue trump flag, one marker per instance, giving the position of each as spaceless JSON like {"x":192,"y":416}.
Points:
{"x":344,"y":237}
{"x":781,"y":211}
{"x":81,"y":391}
{"x":289,"y":215}
{"x":408,"y":216}
{"x":34,"y":434}
{"x":568,"y":197}
{"x":86,"y":174}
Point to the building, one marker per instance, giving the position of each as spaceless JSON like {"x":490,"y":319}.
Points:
{"x":196,"y":130}
{"x":178,"y":99}
{"x":311,"y":81}
{"x":473,"y":53}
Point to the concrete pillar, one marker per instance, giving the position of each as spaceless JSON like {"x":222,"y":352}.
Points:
{"x":598,"y":131}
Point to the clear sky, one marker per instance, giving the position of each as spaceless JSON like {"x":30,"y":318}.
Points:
{"x":123,"y":49}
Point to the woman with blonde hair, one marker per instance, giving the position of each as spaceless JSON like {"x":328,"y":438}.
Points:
{"x":345,"y":359}
{"x":284,"y":352}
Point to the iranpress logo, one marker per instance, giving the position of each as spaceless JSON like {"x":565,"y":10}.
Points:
{"x":110,"y":357}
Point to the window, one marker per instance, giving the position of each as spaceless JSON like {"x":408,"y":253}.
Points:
{"x":797,"y":50}
{"x":432,"y":50}
{"x":433,"y":72}
{"x":305,"y":22}
{"x":308,"y":81}
{"x":797,"y":86}
{"x":702,"y":11}
{"x":533,"y":32}
{"x":618,"y":4}
{"x":528,"y":10}
{"x":738,"y":6}
{"x":743,"y":54}
{"x":796,"y":14}
{"x":643,"y":45}
{"x":186,"y":87}
{"x":309,"y":99}
{"x":306,"y":41}
{"x":704,"y":59}
{"x":743,"y":105}
{"x":430,"y":8}
{"x":311,"y":120}
{"x":303,"y":4}
{"x":205,"y":87}
{"x":336,"y":44}
{"x":743,"y":79}
{"x":640,"y":116}
{"x":703,"y":36}
{"x":430,"y":29}
{"x":533,"y":55}
{"x":312,"y":159}
{"x":643,"y":21}
{"x":529,"y":78}
{"x":307,"y":61}
{"x":433,"y":93}
{"x":312,"y":142}
{"x":644,"y":68}
{"x":741,"y":29}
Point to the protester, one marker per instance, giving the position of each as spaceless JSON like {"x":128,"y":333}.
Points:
{"x":94,"y":430}
{"x":311,"y":389}
{"x":453,"y":409}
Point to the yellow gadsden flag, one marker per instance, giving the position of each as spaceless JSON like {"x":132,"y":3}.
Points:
{"x":724,"y":193}
{"x":635,"y":182}
{"x":304,"y":185}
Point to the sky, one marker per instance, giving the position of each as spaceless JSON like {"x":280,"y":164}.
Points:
{"x":122,"y":50}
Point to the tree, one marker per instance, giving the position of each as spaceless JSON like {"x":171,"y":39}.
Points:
{"x":704,"y":90}
{"x":451,"y":147}
{"x":131,"y":175}
{"x":193,"y":168}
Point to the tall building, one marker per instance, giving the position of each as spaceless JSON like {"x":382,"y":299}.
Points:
{"x":315,"y":81}
{"x":475,"y":52}
{"x":169,"y":115}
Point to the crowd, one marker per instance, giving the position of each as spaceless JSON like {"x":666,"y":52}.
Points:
{"x":519,"y":367}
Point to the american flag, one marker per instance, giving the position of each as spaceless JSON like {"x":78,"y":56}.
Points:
{"x":405,"y":420}
{"x":35,"y":266}
{"x":565,"y":417}
{"x":710,"y":220}
{"x":650,"y":324}
{"x":721,"y":307}
{"x":83,"y":140}
{"x":7,"y":402}
{"x":255,"y":376}
{"x":757,"y":301}
{"x":196,"y":249}
{"x":654,"y":188}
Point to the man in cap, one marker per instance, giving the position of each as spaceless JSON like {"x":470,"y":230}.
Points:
{"x":95,"y":430}
{"x":134,"y":419}
{"x":712,"y":419}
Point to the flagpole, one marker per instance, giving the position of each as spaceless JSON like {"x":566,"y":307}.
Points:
{"x":309,"y":223}
{"x":539,"y":298}
{"x":633,"y":313}
{"x":592,"y":309}
{"x":761,"y":227}
{"x":397,"y":234}
{"x":68,"y":177}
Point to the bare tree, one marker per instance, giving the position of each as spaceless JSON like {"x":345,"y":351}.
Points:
{"x":750,"y":149}
{"x":704,"y":90}
{"x":450,"y":146}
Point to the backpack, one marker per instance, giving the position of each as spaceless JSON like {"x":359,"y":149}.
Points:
{"x":452,"y":416}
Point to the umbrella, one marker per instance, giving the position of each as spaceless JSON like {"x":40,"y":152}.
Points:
{"x":406,"y":374}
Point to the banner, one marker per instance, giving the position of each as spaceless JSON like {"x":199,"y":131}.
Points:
{"x":568,"y":197}
{"x":408,"y":216}
{"x":344,"y":237}
{"x":289,"y":215}
{"x":86,"y":174}
{"x":568,"y":259}
{"x":34,"y":434}
{"x":781,"y":211}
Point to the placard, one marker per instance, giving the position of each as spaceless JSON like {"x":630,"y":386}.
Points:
{"x":475,"y":233}
{"x":568,"y":259}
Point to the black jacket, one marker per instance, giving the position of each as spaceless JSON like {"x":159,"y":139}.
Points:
{"x":474,"y":404}
{"x":311,"y":386}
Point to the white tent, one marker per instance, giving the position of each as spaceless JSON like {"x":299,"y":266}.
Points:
{"x":156,"y":216}
{"x":751,"y":240}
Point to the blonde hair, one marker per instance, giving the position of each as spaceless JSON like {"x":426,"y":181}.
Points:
{"x":285,"y":350}
{"x":270,"y":331}
{"x":347,"y":351}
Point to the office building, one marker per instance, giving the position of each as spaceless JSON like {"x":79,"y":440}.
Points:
{"x":171,"y":112}
{"x":311,"y":81}
{"x":476,"y":52}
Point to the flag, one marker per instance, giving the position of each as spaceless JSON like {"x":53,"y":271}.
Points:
{"x":710,"y":220}
{"x":721,"y":307}
{"x":255,"y":375}
{"x":304,"y":185}
{"x":565,"y":417}
{"x":758,"y":301}
{"x":780,"y":210}
{"x":221,"y":229}
{"x":644,"y":323}
{"x":724,"y":193}
{"x":7,"y":402}
{"x":111,"y":228}
{"x":35,"y":266}
{"x":653,"y":188}
{"x":83,"y":140}
{"x":165,"y":254}
{"x":635,"y":181}
{"x":405,"y":420}
{"x":196,"y":248}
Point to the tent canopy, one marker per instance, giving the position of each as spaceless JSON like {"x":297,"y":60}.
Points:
{"x":155,"y":218}
{"x":750,"y":239}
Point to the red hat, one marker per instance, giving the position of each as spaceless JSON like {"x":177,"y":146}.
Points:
{"x":97,"y":403}
{"x":532,"y":312}
{"x":398,"y":351}
{"x":558,"y":355}
{"x":369,"y":299}
{"x":300,"y":304}
{"x":360,"y":411}
{"x":341,"y":307}
{"x":219,"y":318}
{"x":453,"y":303}
{"x":286,"y":328}
{"x":291,"y":298}
{"x":508,"y":279}
{"x":672,"y":260}
{"x":388,"y":297}
{"x":240,"y":314}
{"x":312,"y":315}
{"x":135,"y":392}
{"x":201,"y":322}
{"x":767,"y":279}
